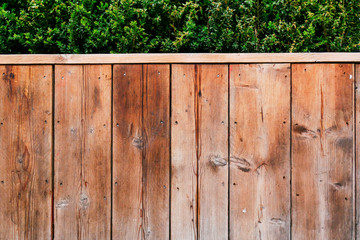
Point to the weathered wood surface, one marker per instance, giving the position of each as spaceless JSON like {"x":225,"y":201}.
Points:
{"x":184,"y":166}
{"x":322,"y":151}
{"x":128,"y":144}
{"x":156,"y":152}
{"x":179,"y":58}
{"x":181,"y":151}
{"x":141,"y":151}
{"x":212,"y":150}
{"x":260,"y":151}
{"x":82,"y":180}
{"x":25,"y":152}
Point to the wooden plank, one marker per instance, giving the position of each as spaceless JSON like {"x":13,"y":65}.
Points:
{"x":156,"y":152}
{"x":128,"y":144}
{"x":212,"y":150}
{"x":25,"y":152}
{"x":322,"y":140}
{"x":82,"y":152}
{"x":183,"y":153}
{"x":142,"y":144}
{"x":260,"y":151}
{"x":178,"y":58}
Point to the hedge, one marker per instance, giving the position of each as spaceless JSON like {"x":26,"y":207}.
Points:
{"x":141,"y":26}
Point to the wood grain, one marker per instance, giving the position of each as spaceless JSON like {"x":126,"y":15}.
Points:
{"x":212,"y":150}
{"x":260,"y":151}
{"x":322,"y":140}
{"x":82,"y":152}
{"x":141,"y":151}
{"x":183,"y":152}
{"x":128,"y":144}
{"x":156,"y":152}
{"x":25,"y":152}
{"x":279,"y":162}
{"x":179,"y":58}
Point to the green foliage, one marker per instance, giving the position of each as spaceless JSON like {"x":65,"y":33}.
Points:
{"x":129,"y":26}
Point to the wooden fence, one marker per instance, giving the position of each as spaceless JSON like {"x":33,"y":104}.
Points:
{"x":180,"y":146}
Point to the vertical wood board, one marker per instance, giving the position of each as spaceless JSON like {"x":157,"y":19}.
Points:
{"x":82,"y":171}
{"x":128,"y":144}
{"x":156,"y":152}
{"x":322,"y":151}
{"x":260,"y":151}
{"x":212,"y":150}
{"x":183,"y":152}
{"x":25,"y":152}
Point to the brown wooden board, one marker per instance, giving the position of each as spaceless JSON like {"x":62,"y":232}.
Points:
{"x":214,"y":58}
{"x":141,"y":148}
{"x":183,"y":152}
{"x":156,"y":152}
{"x":25,"y":152}
{"x":82,"y":174}
{"x":322,"y":151}
{"x":128,"y":144}
{"x":212,"y":150}
{"x":260,"y":151}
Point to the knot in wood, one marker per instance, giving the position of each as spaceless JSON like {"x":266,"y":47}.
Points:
{"x":241,"y":163}
{"x":276,"y":221}
{"x":138,"y":142}
{"x":84,"y":201}
{"x":304,"y":132}
{"x":217,"y":161}
{"x":62,"y":203}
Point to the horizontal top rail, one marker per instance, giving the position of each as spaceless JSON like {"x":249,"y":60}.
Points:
{"x":178,"y":58}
